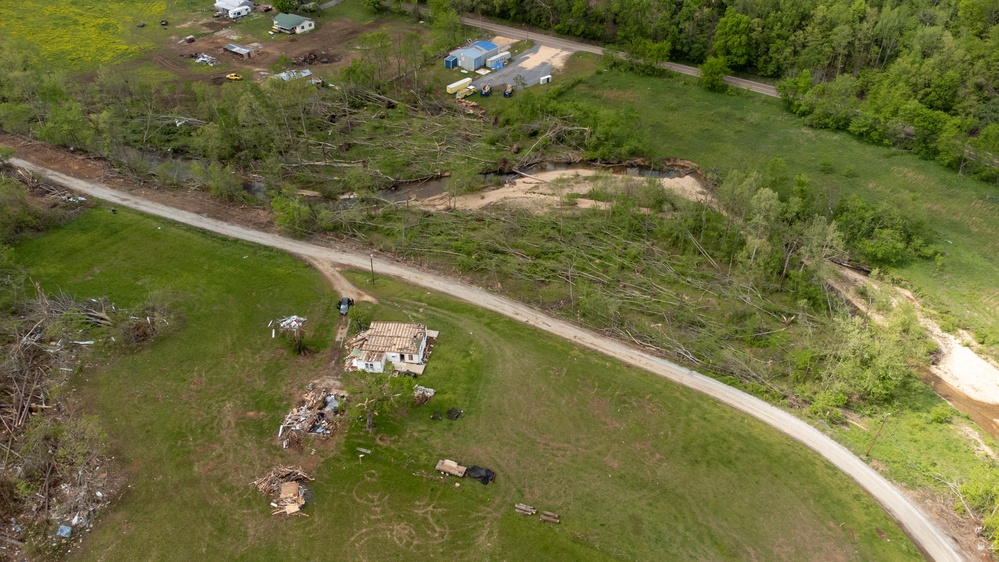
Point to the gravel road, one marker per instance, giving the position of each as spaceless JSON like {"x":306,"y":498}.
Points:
{"x":934,"y":543}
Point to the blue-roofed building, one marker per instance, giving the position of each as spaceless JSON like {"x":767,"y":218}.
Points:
{"x":474,"y":56}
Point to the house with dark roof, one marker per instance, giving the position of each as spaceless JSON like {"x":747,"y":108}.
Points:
{"x":292,"y":23}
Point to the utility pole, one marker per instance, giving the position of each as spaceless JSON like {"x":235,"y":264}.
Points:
{"x":868,"y":453}
{"x":372,"y":269}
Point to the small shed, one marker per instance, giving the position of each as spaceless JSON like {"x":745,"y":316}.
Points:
{"x":293,"y":24}
{"x":450,"y":62}
{"x":239,"y":50}
{"x":474,"y":56}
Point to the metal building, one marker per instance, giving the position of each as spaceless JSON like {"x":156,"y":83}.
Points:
{"x":474,"y":56}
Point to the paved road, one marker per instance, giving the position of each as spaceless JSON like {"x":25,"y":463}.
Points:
{"x":549,"y":41}
{"x":931,"y":540}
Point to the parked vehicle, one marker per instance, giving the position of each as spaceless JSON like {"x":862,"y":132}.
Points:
{"x":486,"y":90}
{"x":345,"y":304}
{"x":233,"y":77}
{"x":465,"y":93}
{"x":508,"y":92}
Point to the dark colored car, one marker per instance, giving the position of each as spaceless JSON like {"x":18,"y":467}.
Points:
{"x":345,"y":304}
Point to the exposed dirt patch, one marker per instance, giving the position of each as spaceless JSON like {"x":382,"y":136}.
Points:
{"x":542,"y":191}
{"x":329,"y":39}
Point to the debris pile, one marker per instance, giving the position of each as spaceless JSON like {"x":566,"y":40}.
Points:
{"x":315,"y":57}
{"x":293,"y":324}
{"x":455,"y":413}
{"x":206,"y":59}
{"x":318,"y":413}
{"x":283,"y":484}
{"x":469,"y":106}
{"x":65,"y":463}
{"x":422,"y":395}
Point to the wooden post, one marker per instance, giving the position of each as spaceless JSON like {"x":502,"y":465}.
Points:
{"x":882,"y":426}
{"x":372,"y":269}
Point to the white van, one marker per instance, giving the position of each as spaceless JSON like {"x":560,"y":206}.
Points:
{"x":240,"y":12}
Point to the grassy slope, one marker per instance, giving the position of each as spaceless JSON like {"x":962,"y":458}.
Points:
{"x":82,"y":34}
{"x":638,"y":467}
{"x":724,"y":132}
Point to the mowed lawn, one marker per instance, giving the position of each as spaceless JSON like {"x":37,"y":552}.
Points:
{"x":81,"y":34}
{"x":637,"y":467}
{"x":674,"y":117}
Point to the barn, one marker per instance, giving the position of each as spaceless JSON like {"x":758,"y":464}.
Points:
{"x":474,"y":56}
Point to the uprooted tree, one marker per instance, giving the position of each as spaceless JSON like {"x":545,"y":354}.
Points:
{"x":375,"y":393}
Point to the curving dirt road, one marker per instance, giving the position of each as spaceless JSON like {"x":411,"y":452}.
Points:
{"x":935,"y":544}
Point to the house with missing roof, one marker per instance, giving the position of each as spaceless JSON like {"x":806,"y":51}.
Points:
{"x":405,"y":345}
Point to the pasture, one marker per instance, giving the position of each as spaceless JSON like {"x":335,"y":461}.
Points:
{"x":637,"y":467}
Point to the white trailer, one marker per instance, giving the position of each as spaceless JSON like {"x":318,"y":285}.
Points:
{"x":497,"y":62}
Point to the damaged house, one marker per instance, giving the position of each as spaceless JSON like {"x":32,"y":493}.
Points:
{"x":405,"y":345}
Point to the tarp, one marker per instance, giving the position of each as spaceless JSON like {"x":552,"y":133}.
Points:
{"x":483,"y":475}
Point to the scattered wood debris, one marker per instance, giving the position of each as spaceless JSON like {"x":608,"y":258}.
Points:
{"x":283,"y":484}
{"x":455,"y":413}
{"x":469,"y":106}
{"x":318,"y":413}
{"x":315,"y":57}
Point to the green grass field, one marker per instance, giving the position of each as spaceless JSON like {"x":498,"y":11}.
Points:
{"x":82,"y":34}
{"x":725,"y":132}
{"x":637,"y":467}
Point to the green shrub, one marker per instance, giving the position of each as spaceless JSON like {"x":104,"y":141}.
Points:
{"x":942,"y":414}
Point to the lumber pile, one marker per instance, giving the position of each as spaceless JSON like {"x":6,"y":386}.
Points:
{"x":545,"y":517}
{"x":524,"y":509}
{"x":283,"y":484}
